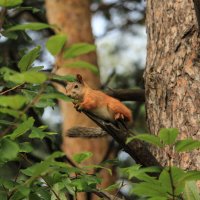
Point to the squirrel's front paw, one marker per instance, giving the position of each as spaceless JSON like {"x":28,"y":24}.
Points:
{"x":77,"y":106}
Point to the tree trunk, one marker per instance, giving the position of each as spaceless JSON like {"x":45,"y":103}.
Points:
{"x":72,"y":17}
{"x":172,"y":75}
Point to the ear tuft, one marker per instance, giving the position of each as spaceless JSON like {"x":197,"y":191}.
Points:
{"x":79,"y":78}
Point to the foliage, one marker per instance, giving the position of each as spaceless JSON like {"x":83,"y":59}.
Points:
{"x":25,"y":91}
{"x":170,"y":182}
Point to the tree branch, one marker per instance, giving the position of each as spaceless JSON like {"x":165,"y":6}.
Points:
{"x":127,"y":94}
{"x":136,"y":149}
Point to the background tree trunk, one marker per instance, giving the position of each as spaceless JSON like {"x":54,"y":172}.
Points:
{"x":172,"y":75}
{"x":72,"y":17}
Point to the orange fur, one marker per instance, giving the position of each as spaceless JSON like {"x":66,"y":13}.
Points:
{"x":99,"y":103}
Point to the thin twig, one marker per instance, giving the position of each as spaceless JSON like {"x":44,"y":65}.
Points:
{"x":13,"y":88}
{"x":35,"y":99}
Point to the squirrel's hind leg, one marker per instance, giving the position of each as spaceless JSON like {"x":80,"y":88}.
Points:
{"x":118,"y":116}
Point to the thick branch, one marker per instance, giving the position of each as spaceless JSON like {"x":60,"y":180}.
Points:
{"x":136,"y":149}
{"x":127,"y":94}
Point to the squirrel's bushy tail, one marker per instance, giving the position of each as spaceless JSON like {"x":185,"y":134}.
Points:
{"x":86,"y":132}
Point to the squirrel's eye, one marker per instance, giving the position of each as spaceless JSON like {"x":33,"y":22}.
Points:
{"x":76,"y":86}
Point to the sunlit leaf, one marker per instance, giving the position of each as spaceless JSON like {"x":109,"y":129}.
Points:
{"x":191,"y":192}
{"x":26,"y":61}
{"x":78,"y":49}
{"x":84,"y":65}
{"x":29,"y":77}
{"x":190,"y":176}
{"x":66,"y":78}
{"x":35,"y":26}
{"x":12,"y":101}
{"x":56,"y":43}
{"x":10,"y":3}
{"x":82,"y":156}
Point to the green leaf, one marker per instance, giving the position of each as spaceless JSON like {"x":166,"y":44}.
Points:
{"x":29,"y":77}
{"x":13,"y":113}
{"x":7,"y":122}
{"x":168,"y":135}
{"x":12,"y":101}
{"x":82,"y":156}
{"x":22,"y":128}
{"x":35,"y":26}
{"x":27,"y":60}
{"x":190,"y":176}
{"x":165,"y":180}
{"x":84,"y":65}
{"x":191,"y":191}
{"x":67,"y":78}
{"x":8,"y":150}
{"x":86,"y":183}
{"x":10,"y":3}
{"x":140,"y":173}
{"x":55,"y":95}
{"x":43,"y":193}
{"x":68,"y":185}
{"x":22,"y":192}
{"x":25,"y":147}
{"x":56,"y":43}
{"x":39,"y":133}
{"x":149,"y":190}
{"x":79,"y":49}
{"x":42,"y":167}
{"x":113,"y":187}
{"x":187,"y":145}
{"x":158,"y":198}
{"x":7,"y":183}
{"x":173,"y":174}
{"x":152,"y":139}
{"x":98,"y":167}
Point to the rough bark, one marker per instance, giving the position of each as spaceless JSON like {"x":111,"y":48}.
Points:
{"x":172,"y":75}
{"x":72,"y":17}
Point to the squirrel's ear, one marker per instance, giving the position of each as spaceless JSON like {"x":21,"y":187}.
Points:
{"x":79,"y":78}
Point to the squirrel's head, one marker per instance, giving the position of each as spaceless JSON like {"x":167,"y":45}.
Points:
{"x":75,"y":90}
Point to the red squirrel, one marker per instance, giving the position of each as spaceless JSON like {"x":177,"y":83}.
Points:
{"x":97,"y":102}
